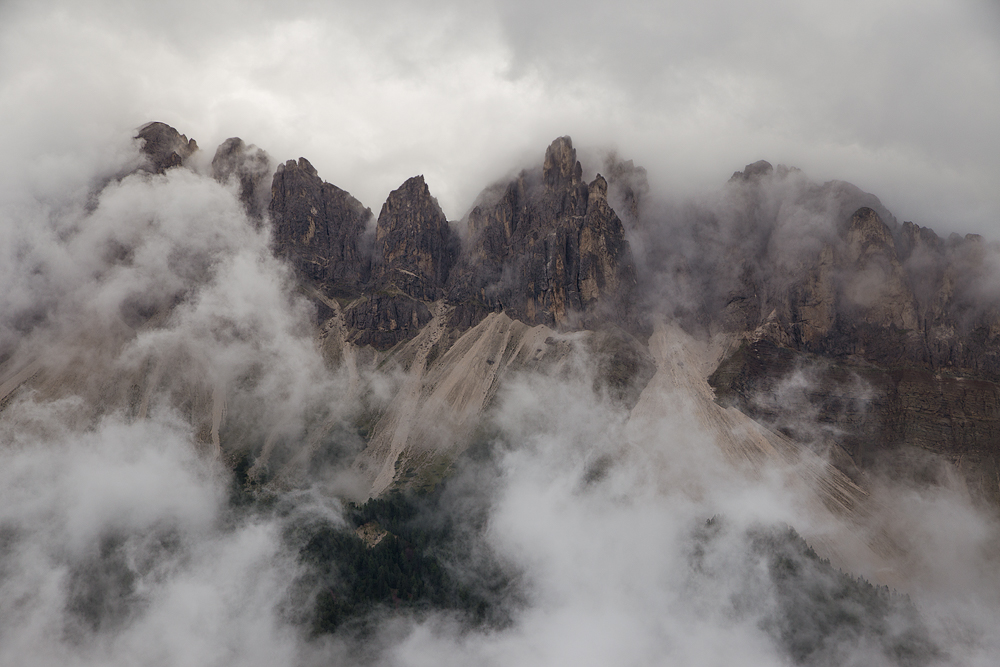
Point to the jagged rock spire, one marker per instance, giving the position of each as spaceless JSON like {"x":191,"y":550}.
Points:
{"x":414,"y":245}
{"x":164,"y":146}
{"x":319,"y":228}
{"x":556,"y":255}
{"x":561,"y":166}
{"x":252,"y":168}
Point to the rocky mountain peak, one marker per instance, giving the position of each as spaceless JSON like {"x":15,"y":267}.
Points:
{"x":414,"y":244}
{"x":319,"y":228}
{"x":304,"y":165}
{"x":868,"y":235}
{"x":598,"y":188}
{"x":876,"y":280}
{"x":251,"y":167}
{"x":561,"y":166}
{"x":556,"y":256}
{"x":412,"y":258}
{"x":164,"y":146}
{"x":414,"y":192}
{"x":758,"y":169}
{"x":628,"y":185}
{"x":917,"y":239}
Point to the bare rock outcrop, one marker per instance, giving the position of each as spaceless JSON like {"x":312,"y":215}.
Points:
{"x":414,"y":250}
{"x":628,"y":185}
{"x":894,"y":344}
{"x":164,"y":146}
{"x":547,"y":248}
{"x":384,"y":319}
{"x":414,"y":245}
{"x":319,"y":228}
{"x":893,"y":297}
{"x":876,"y":287}
{"x":758,"y":169}
{"x":251,"y":167}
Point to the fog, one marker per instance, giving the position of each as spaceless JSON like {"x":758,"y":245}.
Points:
{"x":144,"y":302}
{"x":121,"y":546}
{"x":155,"y":325}
{"x":894,"y":97}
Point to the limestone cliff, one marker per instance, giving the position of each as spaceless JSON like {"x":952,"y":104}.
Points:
{"x":414,"y":251}
{"x":549,"y":249}
{"x":251,"y":168}
{"x":319,"y":228}
{"x":871,"y":342}
{"x":887,"y":327}
{"x":164,"y":147}
{"x":414,"y":244}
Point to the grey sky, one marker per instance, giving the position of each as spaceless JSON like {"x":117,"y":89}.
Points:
{"x":900,"y":98}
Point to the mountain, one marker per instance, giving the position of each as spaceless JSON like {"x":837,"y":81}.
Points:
{"x":780,"y":332}
{"x":541,"y":267}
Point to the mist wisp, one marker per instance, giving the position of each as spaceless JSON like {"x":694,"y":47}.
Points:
{"x":177,"y":481}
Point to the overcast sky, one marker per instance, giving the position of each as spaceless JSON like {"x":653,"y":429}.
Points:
{"x":899,"y":97}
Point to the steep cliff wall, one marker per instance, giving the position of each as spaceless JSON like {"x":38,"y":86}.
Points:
{"x":549,"y":250}
{"x":319,"y":228}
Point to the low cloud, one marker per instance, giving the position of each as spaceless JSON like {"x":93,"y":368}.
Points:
{"x":895,"y":99}
{"x":119,"y":539}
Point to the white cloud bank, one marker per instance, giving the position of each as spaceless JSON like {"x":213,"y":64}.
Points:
{"x":898,"y":97}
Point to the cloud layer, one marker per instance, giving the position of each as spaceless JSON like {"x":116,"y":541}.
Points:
{"x":895,"y":97}
{"x":117,"y":543}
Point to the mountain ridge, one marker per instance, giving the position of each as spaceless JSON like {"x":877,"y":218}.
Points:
{"x":547,"y":248}
{"x":799,"y":278}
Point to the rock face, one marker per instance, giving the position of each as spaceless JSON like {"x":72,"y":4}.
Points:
{"x":855,"y":299}
{"x":164,"y":146}
{"x":751,"y":171}
{"x":414,"y":251}
{"x":548,"y":249}
{"x":414,"y":245}
{"x":904,"y":422}
{"x":876,"y":343}
{"x":383,"y":320}
{"x":896,"y":341}
{"x":319,"y":228}
{"x":895,"y":298}
{"x":876,"y":288}
{"x":628,"y":186}
{"x":252,"y":169}
{"x":810,"y":269}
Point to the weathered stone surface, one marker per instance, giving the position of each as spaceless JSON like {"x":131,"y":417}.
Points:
{"x":560,"y":167}
{"x":875,"y":287}
{"x":415,"y":247}
{"x":164,"y":146}
{"x":902,"y":422}
{"x":602,"y":246}
{"x":382,"y":320}
{"x":628,"y":185}
{"x":319,"y":228}
{"x":904,"y":298}
{"x":813,"y":303}
{"x":547,"y":248}
{"x":751,"y":171}
{"x":889,"y":335}
{"x":251,"y":167}
{"x":888,"y":294}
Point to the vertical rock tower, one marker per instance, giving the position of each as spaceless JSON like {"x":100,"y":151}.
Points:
{"x":550,"y":249}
